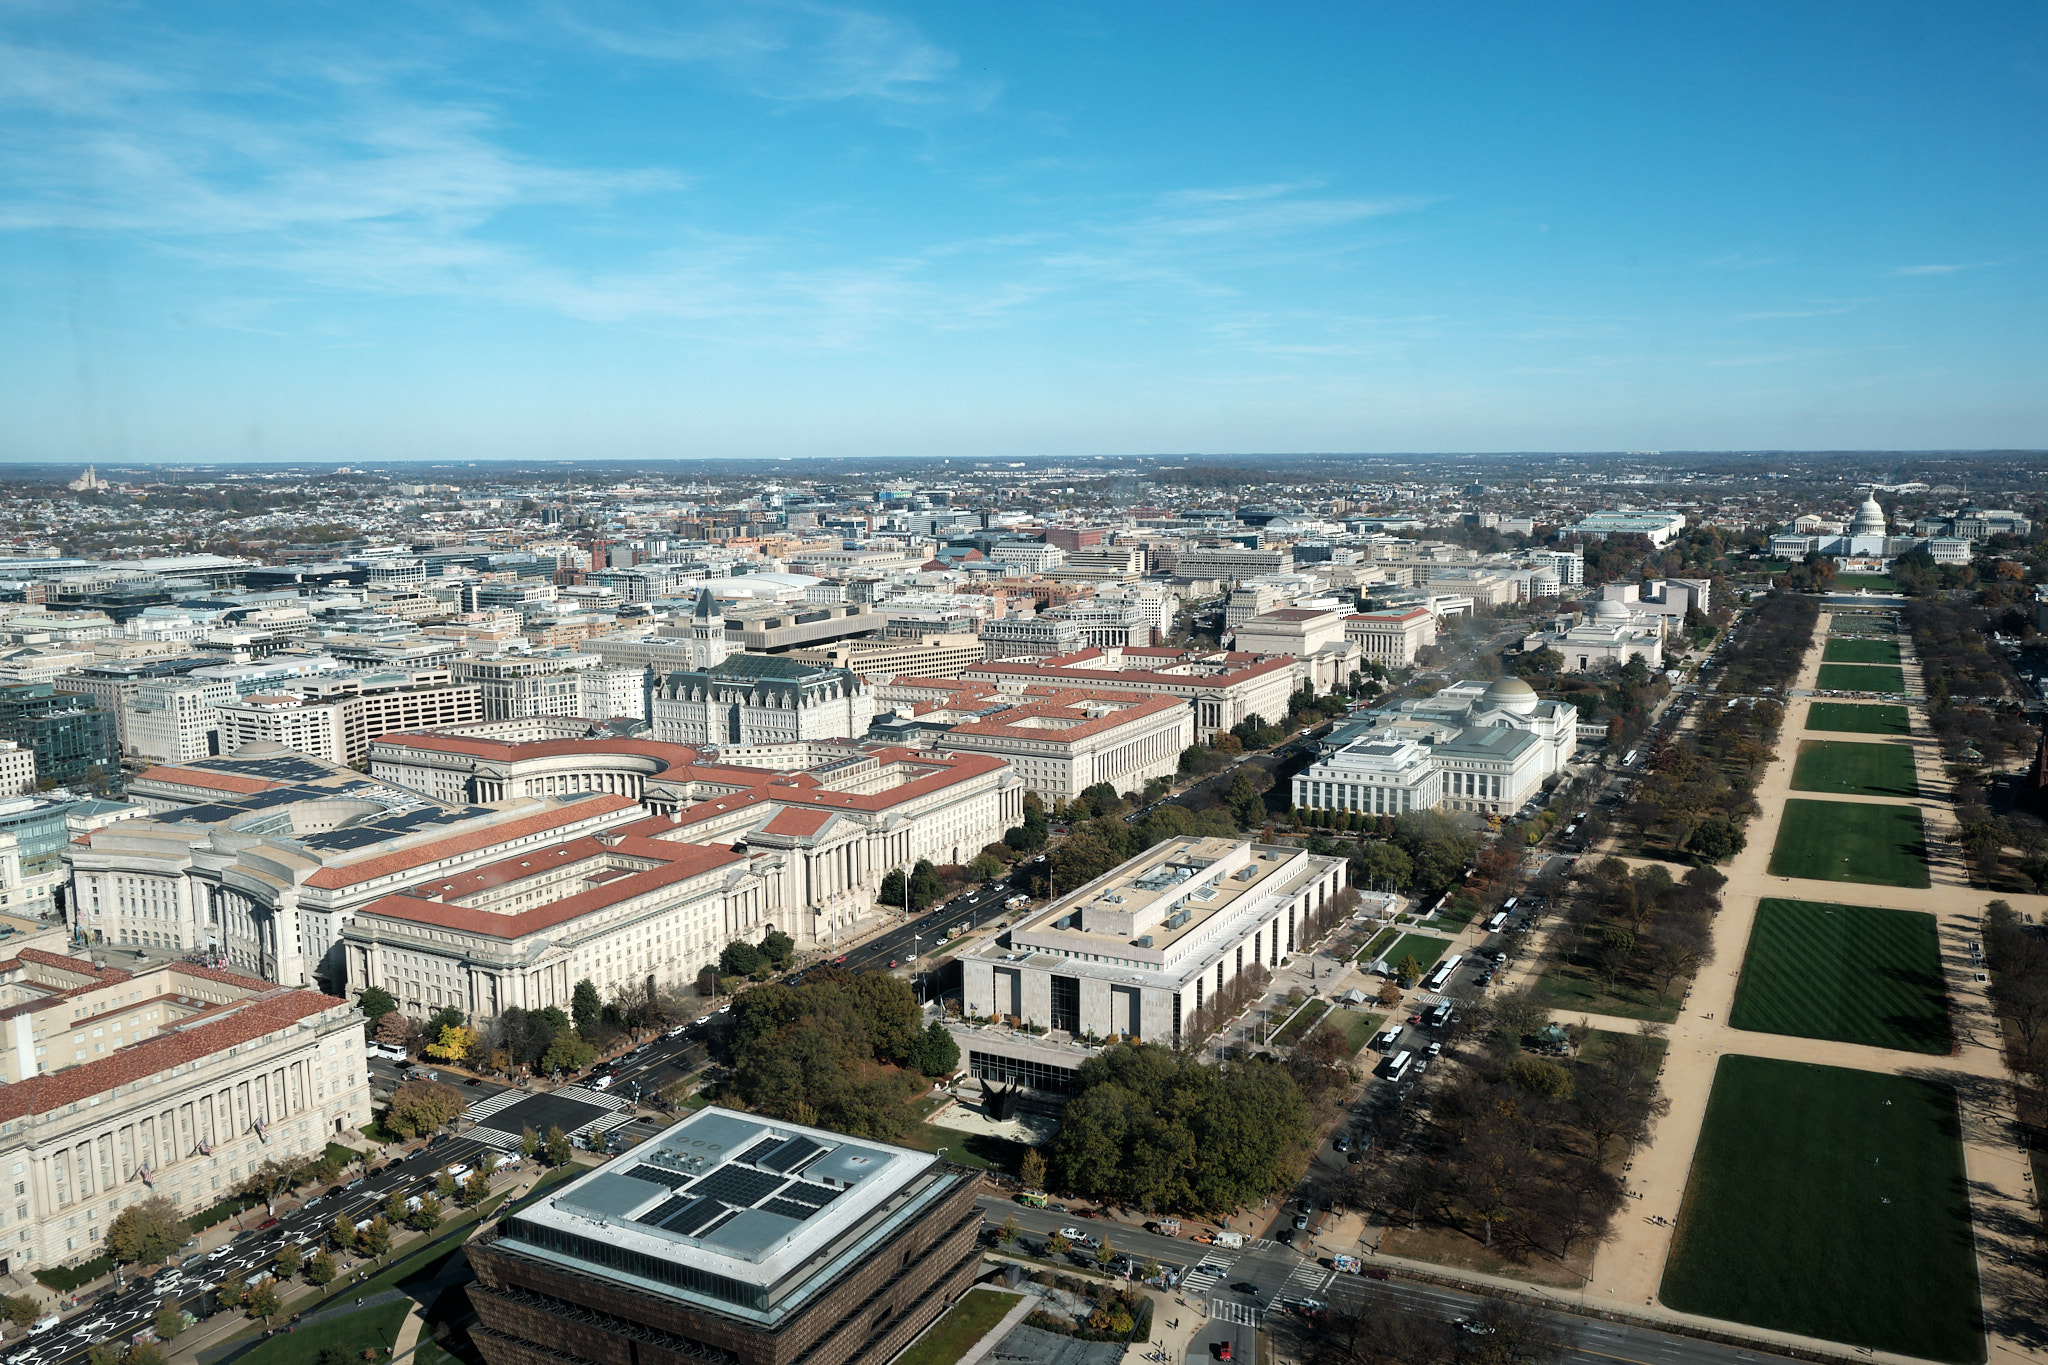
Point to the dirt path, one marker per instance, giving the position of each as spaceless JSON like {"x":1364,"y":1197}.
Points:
{"x":1628,"y":1270}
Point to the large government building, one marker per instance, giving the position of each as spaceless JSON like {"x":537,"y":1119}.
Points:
{"x":730,"y":1240}
{"x":1480,"y":747}
{"x":484,"y":873}
{"x":1134,"y":953}
{"x":156,"y":1077}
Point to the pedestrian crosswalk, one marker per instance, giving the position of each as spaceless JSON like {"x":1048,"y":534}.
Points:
{"x":1230,"y":1310}
{"x":483,"y":1109}
{"x":1207,"y":1271}
{"x":1308,"y":1281}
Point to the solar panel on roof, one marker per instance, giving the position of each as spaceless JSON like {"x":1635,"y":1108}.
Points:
{"x":817,"y":1196}
{"x":792,"y":1154}
{"x":752,"y":1156}
{"x":673,"y":1179}
{"x":788,"y":1210}
{"x":737,"y":1185}
{"x":695,"y":1217}
{"x":667,"y":1208}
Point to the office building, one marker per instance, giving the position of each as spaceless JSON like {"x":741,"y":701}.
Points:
{"x":1135,"y":952}
{"x":1393,"y":637}
{"x":167,"y":1078}
{"x":1224,"y":687}
{"x":1063,"y":742}
{"x":71,"y":736}
{"x":757,"y":699}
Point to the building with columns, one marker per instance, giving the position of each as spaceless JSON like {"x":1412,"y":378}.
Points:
{"x":168,"y":1079}
{"x":1134,"y":953}
{"x":1224,"y":687}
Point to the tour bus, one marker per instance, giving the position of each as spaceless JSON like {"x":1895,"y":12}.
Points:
{"x":1034,"y":1198}
{"x":1497,"y":923}
{"x":1441,"y":973}
{"x":1629,"y":759}
{"x":1398,"y":1066}
{"x":390,"y":1052}
{"x":1510,"y":903}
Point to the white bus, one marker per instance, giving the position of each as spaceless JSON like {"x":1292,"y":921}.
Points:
{"x":1441,"y":973}
{"x":1510,"y":903}
{"x":1398,"y":1066}
{"x":390,"y":1052}
{"x":1494,"y":925}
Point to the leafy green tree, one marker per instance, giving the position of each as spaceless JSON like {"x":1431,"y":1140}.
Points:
{"x":477,"y":1187}
{"x":569,"y":1052}
{"x":1031,"y":1170}
{"x":375,"y":1002}
{"x":320,"y":1270}
{"x":740,"y":958}
{"x":343,"y":1233}
{"x":231,"y":1291}
{"x":374,"y":1240}
{"x":1058,"y":1244}
{"x":778,"y":948}
{"x":423,"y":1106}
{"x":20,"y":1309}
{"x":1244,"y":800}
{"x":170,"y":1321}
{"x":529,"y":1141}
{"x":1157,"y":1129}
{"x":1007,"y":1233}
{"x":586,"y":1007}
{"x":1408,"y":969}
{"x":934,"y":1052}
{"x":984,"y":868}
{"x":925,"y":886}
{"x":1381,"y":863}
{"x":263,"y":1301}
{"x":559,"y":1150}
{"x":288,"y":1260}
{"x":444,"y":1185}
{"x":427,"y":1216}
{"x":147,"y":1233}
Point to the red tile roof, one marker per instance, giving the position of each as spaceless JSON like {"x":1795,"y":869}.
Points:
{"x":796,"y":822}
{"x":420,"y":855}
{"x":195,"y":1038}
{"x":679,"y":862}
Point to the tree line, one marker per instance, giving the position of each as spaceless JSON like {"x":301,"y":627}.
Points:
{"x":1156,"y":1129}
{"x":1521,"y":1150}
{"x":843,"y":1050}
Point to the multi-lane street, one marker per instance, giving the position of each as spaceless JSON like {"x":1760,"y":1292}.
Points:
{"x":117,"y":1315}
{"x":1236,"y":1290}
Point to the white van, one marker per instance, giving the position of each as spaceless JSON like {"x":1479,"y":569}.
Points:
{"x":42,"y":1325}
{"x":601,"y":1083}
{"x":458,"y":1172}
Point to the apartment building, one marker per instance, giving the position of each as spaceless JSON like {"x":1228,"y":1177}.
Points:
{"x":171,"y":1079}
{"x":516,"y":686}
{"x":176,"y":719}
{"x":17,"y":769}
{"x":880,"y":660}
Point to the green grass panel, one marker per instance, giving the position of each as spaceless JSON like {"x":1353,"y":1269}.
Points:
{"x":1838,"y":841}
{"x":1858,"y":718}
{"x":1852,"y":973}
{"x":1851,"y":768}
{"x":1831,"y":1203}
{"x":1860,"y":678}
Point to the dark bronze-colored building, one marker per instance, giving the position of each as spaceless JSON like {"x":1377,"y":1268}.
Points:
{"x":730,"y":1240}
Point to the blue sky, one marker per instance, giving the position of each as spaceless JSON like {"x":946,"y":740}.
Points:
{"x":611,"y":230}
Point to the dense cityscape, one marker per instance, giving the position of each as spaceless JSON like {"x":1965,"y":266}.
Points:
{"x":867,"y":682}
{"x":1415,"y":839}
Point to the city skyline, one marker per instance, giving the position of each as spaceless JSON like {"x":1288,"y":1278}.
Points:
{"x":795,"y":231}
